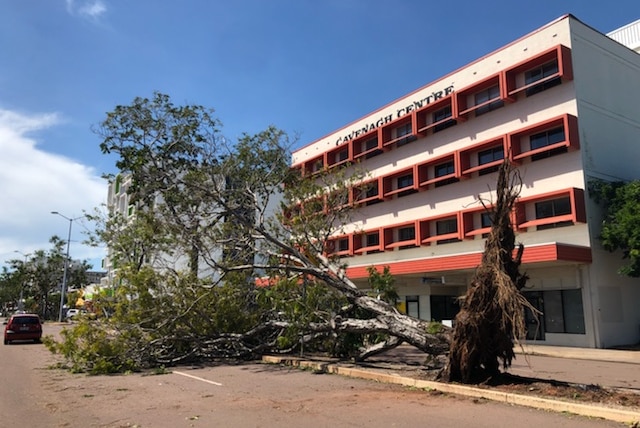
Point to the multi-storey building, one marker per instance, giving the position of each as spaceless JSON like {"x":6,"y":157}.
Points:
{"x":563,"y":104}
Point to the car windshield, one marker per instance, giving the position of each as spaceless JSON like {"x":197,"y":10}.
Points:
{"x":26,"y":320}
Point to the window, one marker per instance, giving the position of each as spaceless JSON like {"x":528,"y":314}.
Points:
{"x":343,"y":244}
{"x":540,"y":74}
{"x":366,"y":145}
{"x":488,"y":156}
{"x":444,"y":307}
{"x":441,"y":116}
{"x":372,"y":239}
{"x":317,"y":165}
{"x":403,"y":131}
{"x":486,"y":220}
{"x":483,"y":97}
{"x":368,"y":193}
{"x":547,"y":138}
{"x":368,"y":242}
{"x":413,"y":306}
{"x":563,"y":310}
{"x":370,"y":148}
{"x":406,"y":233}
{"x":553,"y":208}
{"x":370,"y":144}
{"x":342,"y":155}
{"x":405,"y":181}
{"x":444,"y":169}
{"x":444,"y":227}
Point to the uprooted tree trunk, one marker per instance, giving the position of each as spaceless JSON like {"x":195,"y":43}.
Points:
{"x":491,"y":319}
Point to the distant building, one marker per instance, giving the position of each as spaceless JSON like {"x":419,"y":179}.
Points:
{"x":94,"y":277}
{"x":563,"y":102}
{"x":629,"y":35}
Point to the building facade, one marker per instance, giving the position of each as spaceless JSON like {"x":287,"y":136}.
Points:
{"x":563,"y":103}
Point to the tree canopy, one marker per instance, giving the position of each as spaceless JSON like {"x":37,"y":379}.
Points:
{"x":621,"y":221}
{"x":33,"y":283}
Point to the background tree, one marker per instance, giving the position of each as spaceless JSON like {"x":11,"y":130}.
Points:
{"x":38,"y":280}
{"x":621,"y":221}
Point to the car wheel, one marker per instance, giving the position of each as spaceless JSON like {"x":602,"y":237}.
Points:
{"x":6,"y":342}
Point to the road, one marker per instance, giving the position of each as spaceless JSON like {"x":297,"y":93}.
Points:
{"x":243,"y":395}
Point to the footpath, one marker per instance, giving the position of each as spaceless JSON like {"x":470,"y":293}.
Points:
{"x":609,"y":368}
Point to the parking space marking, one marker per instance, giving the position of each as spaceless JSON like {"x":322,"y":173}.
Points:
{"x":197,"y":378}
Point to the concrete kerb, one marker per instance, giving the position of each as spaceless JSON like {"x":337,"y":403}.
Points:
{"x":588,"y":410}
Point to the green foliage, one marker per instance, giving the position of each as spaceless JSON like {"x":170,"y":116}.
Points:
{"x":382,"y":284}
{"x":156,"y":318}
{"x":435,"y":327}
{"x":621,"y":224}
{"x":89,"y":348}
{"x":37,"y":277}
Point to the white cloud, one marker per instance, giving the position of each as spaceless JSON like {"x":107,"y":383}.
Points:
{"x":34,"y":183}
{"x":91,"y":9}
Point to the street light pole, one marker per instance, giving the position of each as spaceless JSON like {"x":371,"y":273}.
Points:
{"x":66,"y":263}
{"x":24,"y":283}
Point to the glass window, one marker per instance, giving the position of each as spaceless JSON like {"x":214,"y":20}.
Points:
{"x":490,"y":155}
{"x":370,"y":144}
{"x":563,"y":311}
{"x":343,"y":244}
{"x":540,"y":73}
{"x":573,"y":312}
{"x":444,"y":307}
{"x":373,"y":239}
{"x":547,"y":138}
{"x":485,"y":220}
{"x":444,"y":227}
{"x":403,"y":130}
{"x":372,"y":190}
{"x":553,"y":208}
{"x":442,"y":115}
{"x":342,"y":155}
{"x":482,"y":97}
{"x":405,"y":181}
{"x":407,"y":233}
{"x":444,"y":169}
{"x":413,"y":306}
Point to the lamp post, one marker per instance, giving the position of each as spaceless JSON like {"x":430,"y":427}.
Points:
{"x":66,"y":263}
{"x":24,"y":265}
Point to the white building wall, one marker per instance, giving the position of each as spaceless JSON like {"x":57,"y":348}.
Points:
{"x":607,"y":81}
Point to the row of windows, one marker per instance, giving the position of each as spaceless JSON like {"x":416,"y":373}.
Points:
{"x":530,"y":77}
{"x":562,"y":208}
{"x":542,"y":140}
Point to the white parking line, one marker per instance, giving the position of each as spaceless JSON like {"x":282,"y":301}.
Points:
{"x":197,"y":378}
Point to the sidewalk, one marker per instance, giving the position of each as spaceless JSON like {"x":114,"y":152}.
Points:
{"x":614,"y":355}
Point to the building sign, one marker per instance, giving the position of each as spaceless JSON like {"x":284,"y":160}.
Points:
{"x":383,"y":120}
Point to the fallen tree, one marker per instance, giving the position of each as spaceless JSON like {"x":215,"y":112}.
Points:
{"x":237,"y":212}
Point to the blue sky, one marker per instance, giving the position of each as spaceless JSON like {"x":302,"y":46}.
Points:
{"x":305,"y":66}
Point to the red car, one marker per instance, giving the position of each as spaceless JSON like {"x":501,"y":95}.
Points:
{"x":22,"y":327}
